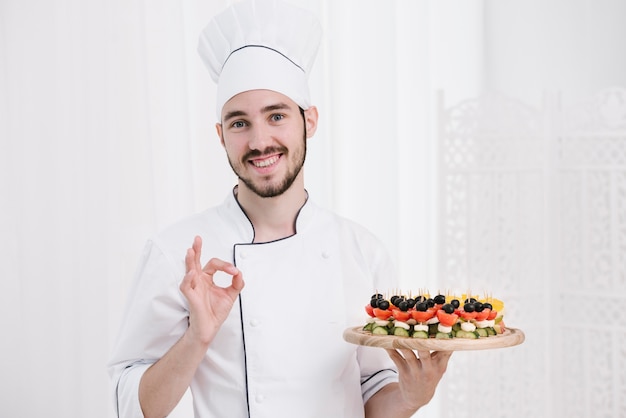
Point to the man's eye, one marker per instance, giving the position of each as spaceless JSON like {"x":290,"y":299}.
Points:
{"x":277,"y":117}
{"x":238,"y":124}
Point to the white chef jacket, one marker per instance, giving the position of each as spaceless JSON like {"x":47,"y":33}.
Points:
{"x":280,"y":353}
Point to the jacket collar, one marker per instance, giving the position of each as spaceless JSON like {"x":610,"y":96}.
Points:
{"x":244,"y":226}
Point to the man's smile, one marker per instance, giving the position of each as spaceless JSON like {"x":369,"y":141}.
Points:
{"x":265,"y":162}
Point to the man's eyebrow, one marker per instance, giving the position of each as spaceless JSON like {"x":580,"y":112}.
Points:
{"x":234,"y":114}
{"x":266,"y":109}
{"x":277,"y":106}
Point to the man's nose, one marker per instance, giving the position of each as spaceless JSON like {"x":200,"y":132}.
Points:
{"x":260,"y":137}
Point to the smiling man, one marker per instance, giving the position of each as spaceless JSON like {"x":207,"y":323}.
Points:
{"x":272,"y":346}
{"x":265,"y":134}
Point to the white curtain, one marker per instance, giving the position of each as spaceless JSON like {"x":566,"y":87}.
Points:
{"x":107,"y":135}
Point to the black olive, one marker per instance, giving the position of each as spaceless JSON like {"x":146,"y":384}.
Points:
{"x":393,"y":300}
{"x":479,"y":307}
{"x":470,"y":300}
{"x":410,"y":302}
{"x":383,"y":304}
{"x":448,"y":308}
{"x":421,"y":306}
{"x":430,"y":302}
{"x":488,"y":306}
{"x":440,"y":299}
{"x":403,"y":305}
{"x":374,"y":302}
{"x":455,"y":303}
{"x":377,"y":296}
{"x":469,"y":307}
{"x":420,"y":298}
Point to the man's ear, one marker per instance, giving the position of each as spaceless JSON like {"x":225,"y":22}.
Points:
{"x":218,"y":128}
{"x":310,"y":121}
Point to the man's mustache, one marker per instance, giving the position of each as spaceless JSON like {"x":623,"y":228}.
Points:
{"x":267,"y":151}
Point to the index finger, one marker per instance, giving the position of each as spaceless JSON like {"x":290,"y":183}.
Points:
{"x":215,"y":264}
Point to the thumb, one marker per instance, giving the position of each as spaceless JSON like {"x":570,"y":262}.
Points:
{"x":236,"y":285}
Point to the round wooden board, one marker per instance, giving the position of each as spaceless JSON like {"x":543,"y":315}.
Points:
{"x":510,"y":338}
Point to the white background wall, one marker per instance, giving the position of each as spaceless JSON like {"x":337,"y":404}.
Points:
{"x":575,"y":46}
{"x":106,"y":135}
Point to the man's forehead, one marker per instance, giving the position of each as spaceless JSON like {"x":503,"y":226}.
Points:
{"x":257,"y":101}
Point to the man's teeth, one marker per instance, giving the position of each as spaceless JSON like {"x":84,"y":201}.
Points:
{"x":265,"y":163}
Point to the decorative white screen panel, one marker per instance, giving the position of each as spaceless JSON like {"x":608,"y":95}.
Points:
{"x":533,"y":209}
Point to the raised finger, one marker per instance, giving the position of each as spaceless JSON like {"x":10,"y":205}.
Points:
{"x":190,"y":260}
{"x":197,"y":248}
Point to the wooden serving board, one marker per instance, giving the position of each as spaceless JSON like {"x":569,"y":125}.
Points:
{"x":510,"y":338}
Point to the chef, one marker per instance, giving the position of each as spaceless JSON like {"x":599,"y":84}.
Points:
{"x":245,"y":303}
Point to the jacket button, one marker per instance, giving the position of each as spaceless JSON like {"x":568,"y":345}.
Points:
{"x":254,"y":322}
{"x":325,"y":254}
{"x":259,"y":398}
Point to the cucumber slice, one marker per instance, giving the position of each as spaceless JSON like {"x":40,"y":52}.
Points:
{"x":443,"y":336}
{"x":400,"y":332}
{"x":482,"y":332}
{"x":433,"y":328}
{"x":368,"y":327}
{"x":420,"y":334}
{"x":467,"y":334}
{"x":380,"y":331}
{"x":490,"y":331}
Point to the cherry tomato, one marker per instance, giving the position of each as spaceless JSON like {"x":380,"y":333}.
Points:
{"x":492,"y":315}
{"x":369,"y":310}
{"x":423,"y":316}
{"x":482,"y":315}
{"x":446,"y":318}
{"x":383,"y":314}
{"x":401,"y":315}
{"x":468,"y":316}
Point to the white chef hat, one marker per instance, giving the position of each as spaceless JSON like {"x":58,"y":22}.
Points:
{"x":261,"y":44}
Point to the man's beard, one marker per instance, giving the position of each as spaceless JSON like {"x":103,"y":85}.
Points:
{"x":265,"y":188}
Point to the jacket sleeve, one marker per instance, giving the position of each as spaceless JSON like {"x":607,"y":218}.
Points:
{"x":156,"y":316}
{"x":377,"y":370}
{"x":126,"y":390}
